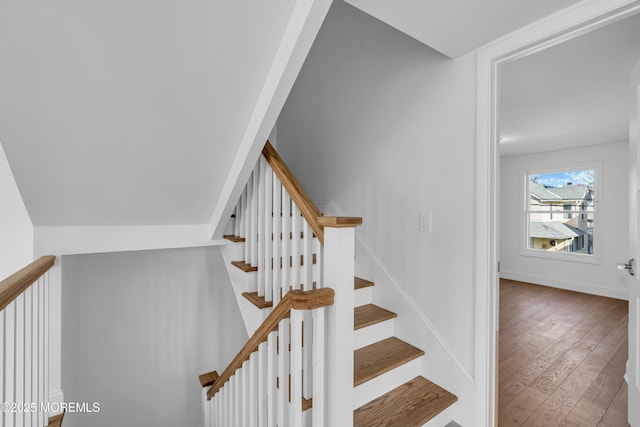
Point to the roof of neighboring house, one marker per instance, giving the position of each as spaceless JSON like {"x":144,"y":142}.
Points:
{"x":568,"y":192}
{"x":541,"y":192}
{"x":554,"y":230}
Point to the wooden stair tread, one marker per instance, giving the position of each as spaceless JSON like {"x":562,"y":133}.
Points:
{"x":412,"y":404}
{"x":247,"y":268}
{"x":360,"y":283}
{"x":256,"y":300}
{"x":380,"y":357}
{"x":208,"y":379}
{"x":56,"y":421}
{"x":232,"y":238}
{"x":370,"y":314}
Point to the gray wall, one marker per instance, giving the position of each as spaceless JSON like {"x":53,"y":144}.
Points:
{"x":138,"y":328}
{"x":384,"y":127}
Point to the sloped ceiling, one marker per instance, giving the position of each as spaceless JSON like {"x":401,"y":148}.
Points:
{"x":129,"y":112}
{"x":571,"y":95}
{"x":456,"y":27}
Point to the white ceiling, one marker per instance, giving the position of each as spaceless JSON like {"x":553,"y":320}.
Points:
{"x":574,"y":94}
{"x":456,"y":27}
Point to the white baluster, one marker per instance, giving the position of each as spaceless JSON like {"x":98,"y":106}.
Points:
{"x":307,"y":355}
{"x":9,"y":367}
{"x":231,"y":408}
{"x":217,"y":409}
{"x":226,"y":399}
{"x":206,"y":409}
{"x":28,"y":353}
{"x":271,"y":379}
{"x":268,"y":231}
{"x":246,"y":218}
{"x":277,"y":240}
{"x":227,"y":404}
{"x":262,"y":237}
{"x":229,"y":399}
{"x":240,"y":405}
{"x":238,"y":217}
{"x":253,"y":390}
{"x":318,"y":270}
{"x":232,"y":401}
{"x":254,"y":216}
{"x":297,"y":316}
{"x":46,"y":285}
{"x":318,"y":349}
{"x":243,"y":213}
{"x":283,"y":373}
{"x":246,"y":385}
{"x":296,"y":250}
{"x":3,"y":337}
{"x":249,"y":221}
{"x":307,"y":253}
{"x":19,"y":361}
{"x":262,"y":384}
{"x":286,"y":242}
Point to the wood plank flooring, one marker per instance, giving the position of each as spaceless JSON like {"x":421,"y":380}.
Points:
{"x":561,"y":359}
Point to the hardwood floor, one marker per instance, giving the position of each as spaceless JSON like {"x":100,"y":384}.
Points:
{"x":562,"y":358}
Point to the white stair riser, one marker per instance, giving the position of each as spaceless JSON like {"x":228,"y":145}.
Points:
{"x":386,"y":382}
{"x":234,"y":250}
{"x":442,"y":419}
{"x":372,"y":334}
{"x":363,"y":296}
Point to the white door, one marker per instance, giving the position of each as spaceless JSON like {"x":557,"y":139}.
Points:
{"x":633,"y":370}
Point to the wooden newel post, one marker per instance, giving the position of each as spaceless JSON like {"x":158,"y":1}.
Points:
{"x":339,"y":254}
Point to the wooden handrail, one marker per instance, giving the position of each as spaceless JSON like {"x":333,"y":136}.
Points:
{"x":17,"y":283}
{"x":299,"y":300}
{"x":295,"y":190}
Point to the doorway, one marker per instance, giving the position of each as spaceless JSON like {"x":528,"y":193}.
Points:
{"x":556,"y":29}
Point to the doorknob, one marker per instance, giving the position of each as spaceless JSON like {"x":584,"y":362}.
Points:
{"x":629,"y":266}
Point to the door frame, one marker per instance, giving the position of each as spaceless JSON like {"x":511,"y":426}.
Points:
{"x":564,"y":25}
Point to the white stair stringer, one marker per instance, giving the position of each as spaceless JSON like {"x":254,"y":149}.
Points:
{"x":242,"y":282}
{"x":376,"y":387}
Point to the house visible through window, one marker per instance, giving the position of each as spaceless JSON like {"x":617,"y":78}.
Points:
{"x":561,"y":209}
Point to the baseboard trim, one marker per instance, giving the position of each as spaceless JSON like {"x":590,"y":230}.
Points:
{"x":621,"y":294}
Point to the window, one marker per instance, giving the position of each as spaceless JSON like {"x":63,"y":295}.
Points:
{"x":560,"y":213}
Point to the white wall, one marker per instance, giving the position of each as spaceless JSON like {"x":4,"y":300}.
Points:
{"x":16,"y":230}
{"x":613,"y":206}
{"x":384,"y":127}
{"x":139,"y":327}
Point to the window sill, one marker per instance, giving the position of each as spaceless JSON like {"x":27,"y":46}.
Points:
{"x":562,"y":256}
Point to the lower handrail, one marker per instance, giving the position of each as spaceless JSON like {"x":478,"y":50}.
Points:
{"x":13,"y":286}
{"x":298,"y":300}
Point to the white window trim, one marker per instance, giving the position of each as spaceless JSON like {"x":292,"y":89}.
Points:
{"x":594,"y":258}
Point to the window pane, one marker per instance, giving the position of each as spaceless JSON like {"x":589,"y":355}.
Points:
{"x":561,"y":210}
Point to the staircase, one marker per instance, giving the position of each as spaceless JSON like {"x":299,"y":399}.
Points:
{"x":388,"y":388}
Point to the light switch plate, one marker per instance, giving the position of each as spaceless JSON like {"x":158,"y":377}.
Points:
{"x":425,"y":222}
